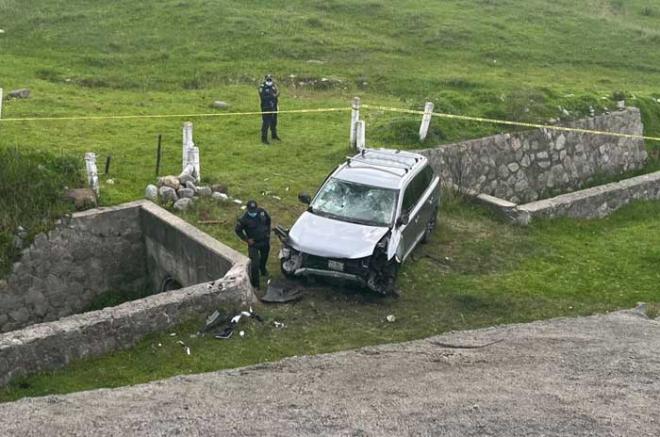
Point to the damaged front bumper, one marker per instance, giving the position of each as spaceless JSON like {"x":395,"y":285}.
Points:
{"x":373,"y":272}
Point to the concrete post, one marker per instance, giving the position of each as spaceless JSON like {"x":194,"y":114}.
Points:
{"x":360,"y":135}
{"x":187,"y":143}
{"x":92,"y":171}
{"x":355,"y":116}
{"x":193,"y":159}
{"x":426,"y":120}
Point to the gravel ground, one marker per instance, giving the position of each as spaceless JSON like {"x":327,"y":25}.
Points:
{"x":594,"y":375}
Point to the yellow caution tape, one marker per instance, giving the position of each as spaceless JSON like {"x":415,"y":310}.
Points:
{"x":321,"y":110}
{"x":513,"y":123}
{"x":211,"y":114}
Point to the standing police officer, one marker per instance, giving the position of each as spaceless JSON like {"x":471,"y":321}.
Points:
{"x":269,"y":93}
{"x":253,"y":227}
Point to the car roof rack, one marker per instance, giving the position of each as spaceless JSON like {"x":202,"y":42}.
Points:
{"x":382,"y":157}
{"x":351,"y":159}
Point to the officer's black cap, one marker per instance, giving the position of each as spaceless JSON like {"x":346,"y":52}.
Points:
{"x":251,"y":205}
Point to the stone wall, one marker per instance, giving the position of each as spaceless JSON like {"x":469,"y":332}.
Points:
{"x":177,"y":249}
{"x":52,"y":345}
{"x":527,"y":166}
{"x":62,"y":271}
{"x":596,"y":202}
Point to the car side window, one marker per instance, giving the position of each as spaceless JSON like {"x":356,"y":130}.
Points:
{"x":416,"y":188}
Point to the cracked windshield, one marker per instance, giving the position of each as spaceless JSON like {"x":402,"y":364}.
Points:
{"x":356,"y":203}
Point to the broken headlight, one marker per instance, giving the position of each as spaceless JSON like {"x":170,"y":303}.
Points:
{"x":382,"y":244}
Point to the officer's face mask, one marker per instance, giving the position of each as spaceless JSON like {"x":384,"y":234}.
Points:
{"x":269,"y":82}
{"x":252,"y":214}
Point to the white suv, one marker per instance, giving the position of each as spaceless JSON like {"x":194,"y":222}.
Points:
{"x":365,"y":220}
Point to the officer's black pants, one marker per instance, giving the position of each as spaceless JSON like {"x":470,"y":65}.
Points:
{"x":258,"y":254}
{"x":268,"y":121}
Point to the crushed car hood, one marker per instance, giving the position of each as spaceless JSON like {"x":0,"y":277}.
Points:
{"x":330,"y":238}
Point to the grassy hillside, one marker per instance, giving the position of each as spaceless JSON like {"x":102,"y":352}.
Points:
{"x":517,"y":60}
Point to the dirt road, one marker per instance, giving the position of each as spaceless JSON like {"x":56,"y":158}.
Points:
{"x":595,"y":375}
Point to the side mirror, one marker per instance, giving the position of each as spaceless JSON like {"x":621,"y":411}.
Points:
{"x":404,"y":218}
{"x":304,"y":198}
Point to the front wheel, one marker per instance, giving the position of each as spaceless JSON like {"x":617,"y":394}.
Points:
{"x":286,"y":273}
{"x":384,"y":280}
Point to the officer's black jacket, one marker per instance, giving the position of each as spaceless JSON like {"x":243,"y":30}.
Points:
{"x":268,"y":95}
{"x":257,"y":228}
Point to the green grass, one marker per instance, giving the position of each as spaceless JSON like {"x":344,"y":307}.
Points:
{"x":32,"y":195}
{"x":516,"y":60}
{"x":475,"y":272}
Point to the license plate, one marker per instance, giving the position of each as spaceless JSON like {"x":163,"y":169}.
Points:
{"x":336,"y":265}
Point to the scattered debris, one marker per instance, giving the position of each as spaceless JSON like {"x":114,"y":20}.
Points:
{"x":282,"y":291}
{"x":110,"y":181}
{"x":229,"y":329}
{"x":173,"y":334}
{"x":160,"y":344}
{"x":2,"y":31}
{"x":391,"y":318}
{"x":278,"y":324}
{"x":187,"y":350}
{"x":621,"y":104}
{"x":212,"y":321}
{"x":242,"y":333}
{"x":238,"y":202}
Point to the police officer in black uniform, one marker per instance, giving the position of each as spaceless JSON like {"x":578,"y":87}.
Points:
{"x":269,"y":94}
{"x":253,"y":227}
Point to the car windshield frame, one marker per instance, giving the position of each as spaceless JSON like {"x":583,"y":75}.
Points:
{"x":313,"y":207}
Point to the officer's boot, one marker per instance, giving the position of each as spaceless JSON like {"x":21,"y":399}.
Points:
{"x":264,"y":138}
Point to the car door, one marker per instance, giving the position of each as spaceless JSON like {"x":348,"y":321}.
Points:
{"x":428,"y":198}
{"x":413,"y":230}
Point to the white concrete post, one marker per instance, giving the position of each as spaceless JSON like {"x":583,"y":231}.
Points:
{"x":1,"y":102}
{"x":187,"y":143}
{"x":360,"y":135}
{"x":426,"y":120}
{"x":355,"y":116}
{"x":193,"y":159}
{"x":92,"y":171}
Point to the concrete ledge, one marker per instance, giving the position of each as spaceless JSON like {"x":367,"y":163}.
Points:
{"x":590,"y":203}
{"x":53,"y":345}
{"x":596,"y":202}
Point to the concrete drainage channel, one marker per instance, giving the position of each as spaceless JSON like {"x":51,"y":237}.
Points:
{"x":137,"y":244}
